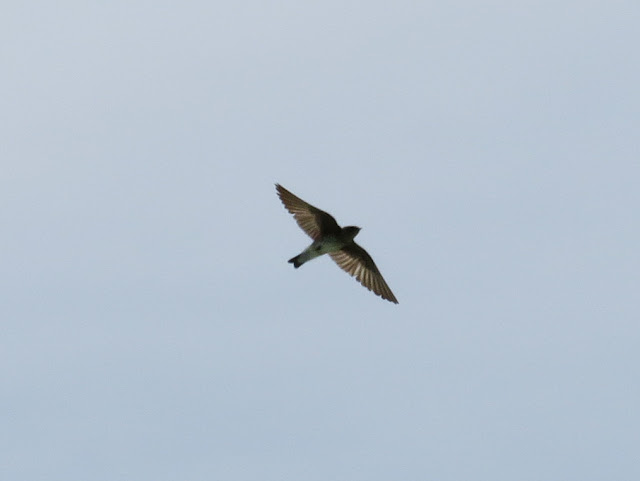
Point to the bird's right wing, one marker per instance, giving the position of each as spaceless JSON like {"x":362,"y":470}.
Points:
{"x":313,"y":221}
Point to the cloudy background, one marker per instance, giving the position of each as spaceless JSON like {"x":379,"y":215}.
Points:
{"x":151,"y":327}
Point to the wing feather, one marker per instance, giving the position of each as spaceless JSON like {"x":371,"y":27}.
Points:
{"x":313,"y":221}
{"x":354,"y":260}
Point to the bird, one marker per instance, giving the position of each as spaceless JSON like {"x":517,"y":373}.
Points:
{"x":329,"y":238}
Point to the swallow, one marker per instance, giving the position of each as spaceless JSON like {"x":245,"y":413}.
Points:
{"x":329,"y":238}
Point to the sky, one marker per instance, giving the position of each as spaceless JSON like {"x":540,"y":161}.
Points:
{"x":151,"y":326}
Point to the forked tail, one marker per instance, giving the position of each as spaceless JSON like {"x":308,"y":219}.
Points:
{"x":296,"y":261}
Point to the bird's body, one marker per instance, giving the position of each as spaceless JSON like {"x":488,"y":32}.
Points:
{"x":325,"y":245}
{"x":329,"y":238}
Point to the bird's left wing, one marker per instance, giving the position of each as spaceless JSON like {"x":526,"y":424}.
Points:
{"x":354,"y":260}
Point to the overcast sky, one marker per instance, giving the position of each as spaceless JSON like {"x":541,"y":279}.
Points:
{"x":151,"y":326}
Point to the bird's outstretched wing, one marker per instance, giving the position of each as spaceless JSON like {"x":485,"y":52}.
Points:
{"x":355,"y":260}
{"x":313,"y":221}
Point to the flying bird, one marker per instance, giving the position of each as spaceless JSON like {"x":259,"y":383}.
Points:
{"x":329,"y":238}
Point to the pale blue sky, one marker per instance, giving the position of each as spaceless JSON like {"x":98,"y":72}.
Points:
{"x":151,"y":326}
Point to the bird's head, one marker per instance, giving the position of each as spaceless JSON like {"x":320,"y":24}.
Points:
{"x":351,"y":231}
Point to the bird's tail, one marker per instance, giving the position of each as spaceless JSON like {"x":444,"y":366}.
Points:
{"x":296,"y":261}
{"x":309,"y":253}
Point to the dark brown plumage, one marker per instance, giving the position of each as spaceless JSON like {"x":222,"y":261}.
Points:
{"x":329,"y":238}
